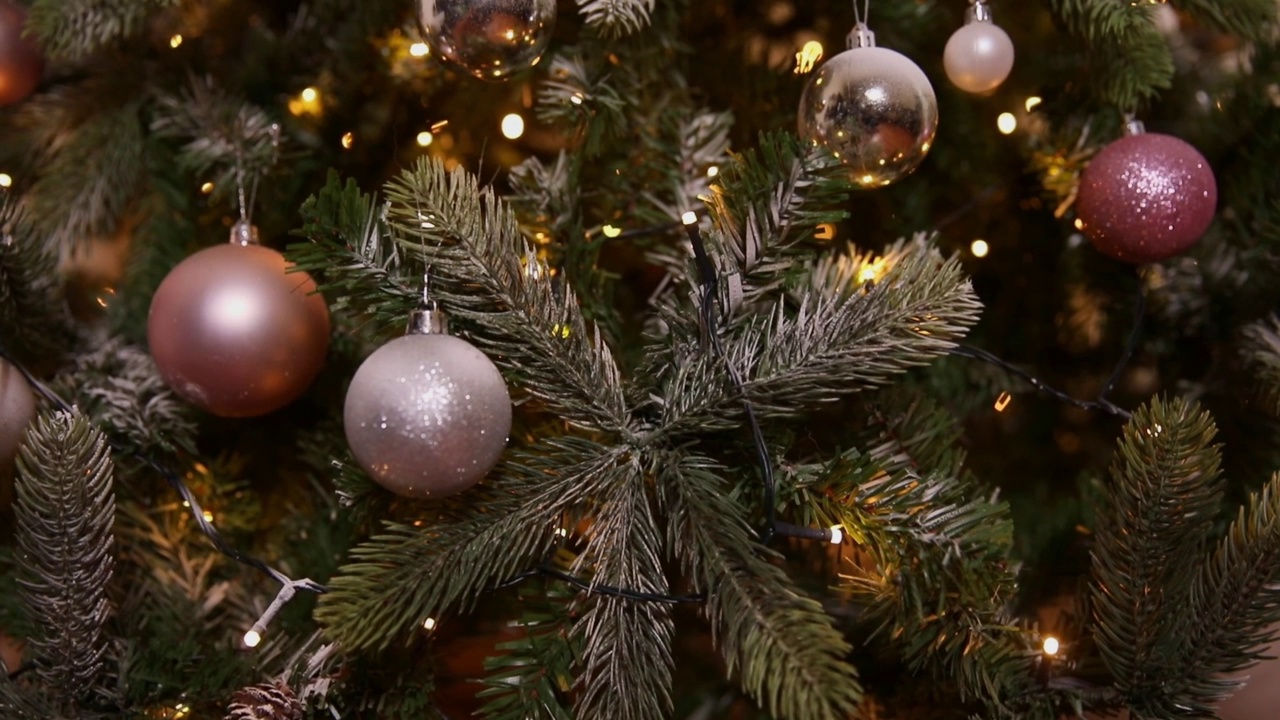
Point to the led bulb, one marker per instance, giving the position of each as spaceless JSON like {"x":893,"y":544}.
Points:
{"x":252,"y":639}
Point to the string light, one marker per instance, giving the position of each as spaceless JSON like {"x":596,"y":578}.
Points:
{"x":348,"y":140}
{"x":873,"y":270}
{"x":1033,"y":102}
{"x":1079,"y":224}
{"x":689,"y":218}
{"x":611,"y":231}
{"x":5,"y":180}
{"x":419,"y":49}
{"x":208,"y":516}
{"x":1006,"y":123}
{"x":206,"y":188}
{"x":252,"y":639}
{"x":310,"y":95}
{"x":808,"y":57}
{"x":1051,"y":645}
{"x":979,"y":248}
{"x":175,"y":42}
{"x":1003,"y":401}
{"x":429,"y":624}
{"x":576,"y":99}
{"x":425,"y":138}
{"x":512,"y":126}
{"x":837,"y":535}
{"x":825,"y":231}
{"x":713,"y":171}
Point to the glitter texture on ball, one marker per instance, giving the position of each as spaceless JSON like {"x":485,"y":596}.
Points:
{"x":1146,"y":197}
{"x":427,"y":416}
{"x":490,"y":39}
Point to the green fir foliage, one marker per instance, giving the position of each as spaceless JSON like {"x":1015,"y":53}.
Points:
{"x":1164,"y":494}
{"x":1129,"y":60}
{"x":65,"y":513}
{"x":34,"y":319}
{"x":75,"y":29}
{"x":532,"y":677}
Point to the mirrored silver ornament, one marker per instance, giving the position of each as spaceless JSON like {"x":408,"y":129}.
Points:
{"x":873,"y":108}
{"x":490,"y":39}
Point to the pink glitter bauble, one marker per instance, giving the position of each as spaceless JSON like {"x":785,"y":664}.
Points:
{"x":1146,"y":197}
{"x":232,"y":331}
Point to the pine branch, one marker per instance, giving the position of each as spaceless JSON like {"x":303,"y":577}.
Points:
{"x":1165,"y":491}
{"x":626,"y":645}
{"x":942,"y":574}
{"x":20,"y":702}
{"x":1236,"y":604}
{"x":83,"y":193}
{"x":1261,"y":353}
{"x":838,"y":341}
{"x":220,"y":133}
{"x":406,"y":574}
{"x":532,"y":330}
{"x":1131,"y":61}
{"x":1252,"y":20}
{"x":582,"y":97}
{"x":780,"y":643}
{"x":613,"y":18}
{"x":531,"y":680}
{"x":75,"y":29}
{"x":766,"y":203}
{"x":355,"y":262}
{"x":35,"y":322}
{"x":65,"y":511}
{"x":118,"y":386}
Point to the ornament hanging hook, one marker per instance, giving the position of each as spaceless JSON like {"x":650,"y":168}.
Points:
{"x":244,"y":232}
{"x":428,"y":318}
{"x":863,"y":16}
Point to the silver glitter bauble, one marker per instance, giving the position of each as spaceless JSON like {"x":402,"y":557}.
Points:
{"x":873,"y":108}
{"x":427,"y":415}
{"x":490,"y":39}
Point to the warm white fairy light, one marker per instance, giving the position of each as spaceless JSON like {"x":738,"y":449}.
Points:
{"x":252,"y":639}
{"x":419,"y":49}
{"x":310,"y":95}
{"x":208,"y":516}
{"x":429,"y":624}
{"x":512,"y":126}
{"x":611,"y":231}
{"x":1033,"y":102}
{"x":175,"y":42}
{"x":1051,"y":645}
{"x":689,"y":218}
{"x":1006,"y":123}
{"x":713,"y":171}
{"x":425,"y":138}
{"x":206,"y":188}
{"x":5,"y":180}
{"x":979,"y":248}
{"x":576,"y":99}
{"x":348,"y":140}
{"x":837,"y":535}
{"x":808,"y":57}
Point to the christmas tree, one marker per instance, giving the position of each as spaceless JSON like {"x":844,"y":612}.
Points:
{"x":627,"y":359}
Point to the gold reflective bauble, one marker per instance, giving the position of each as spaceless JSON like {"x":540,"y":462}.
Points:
{"x":490,"y":39}
{"x":875,"y":110}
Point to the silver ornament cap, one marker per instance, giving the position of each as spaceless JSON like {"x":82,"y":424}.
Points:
{"x":873,"y":108}
{"x":490,"y":39}
{"x":427,"y":415}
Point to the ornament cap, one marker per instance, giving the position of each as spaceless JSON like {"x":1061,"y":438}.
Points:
{"x":860,"y":36}
{"x":428,"y":319}
{"x":1133,"y":126}
{"x":978,"y":11}
{"x":244,"y":233}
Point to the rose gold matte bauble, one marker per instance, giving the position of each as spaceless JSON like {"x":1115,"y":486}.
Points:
{"x":232,"y":332}
{"x":17,"y":410}
{"x":21,"y":64}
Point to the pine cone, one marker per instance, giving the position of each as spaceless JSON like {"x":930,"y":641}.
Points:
{"x":268,"y":701}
